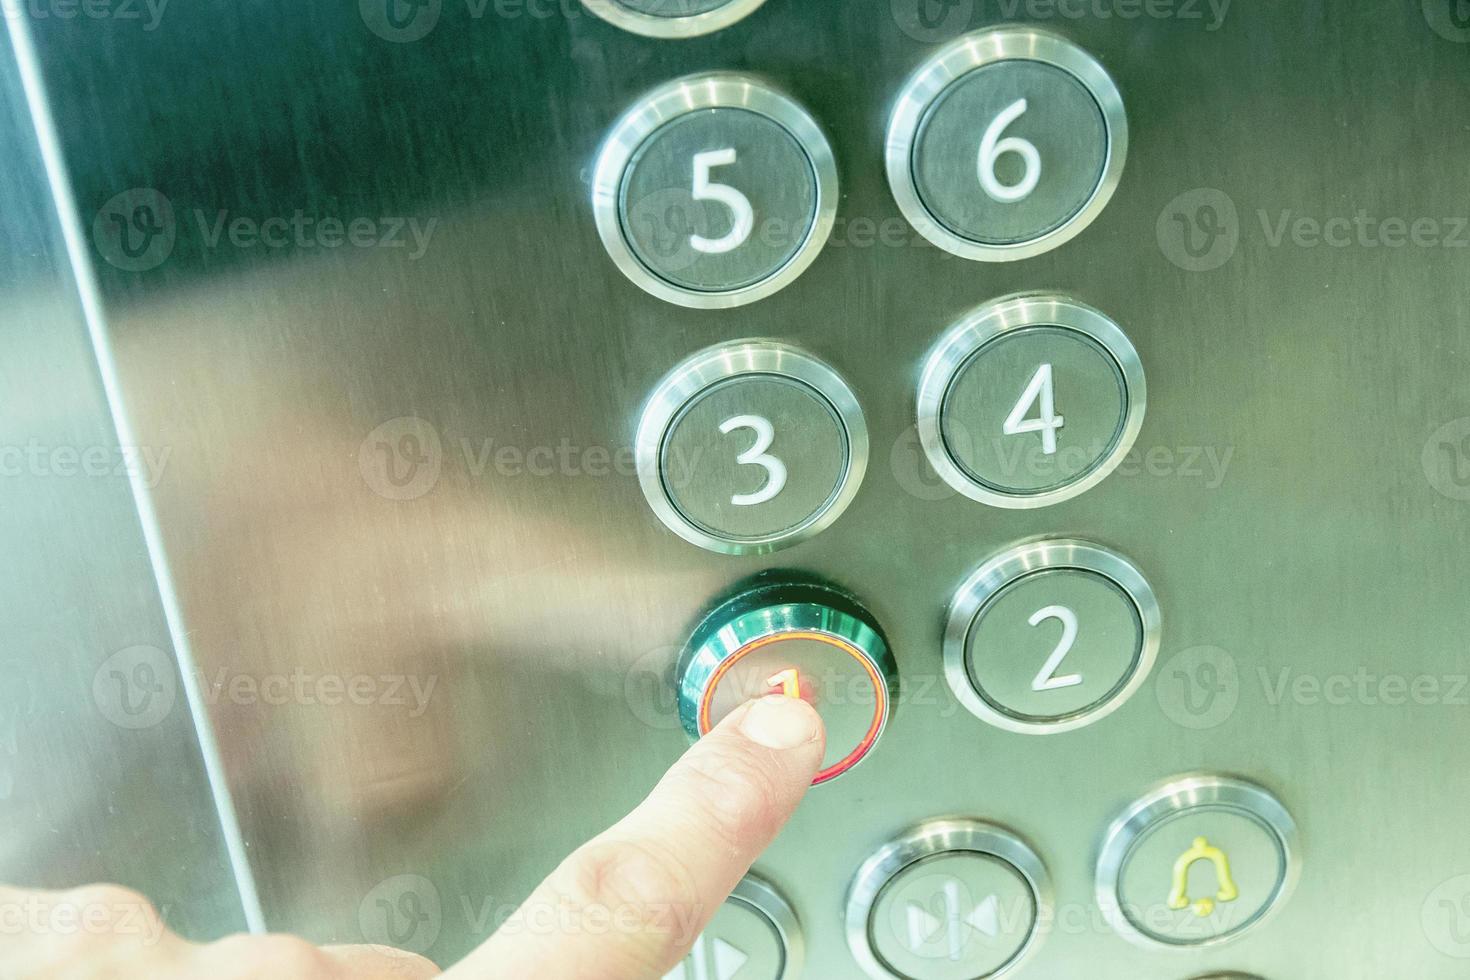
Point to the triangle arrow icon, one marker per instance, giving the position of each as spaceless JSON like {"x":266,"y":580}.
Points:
{"x":986,"y":917}
{"x":728,"y":960}
{"x":923,"y":926}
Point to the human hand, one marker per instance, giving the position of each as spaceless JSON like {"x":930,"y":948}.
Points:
{"x":627,"y":905}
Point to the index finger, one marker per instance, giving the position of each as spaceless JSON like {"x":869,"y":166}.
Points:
{"x":629,"y":904}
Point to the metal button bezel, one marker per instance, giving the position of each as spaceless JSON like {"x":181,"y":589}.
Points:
{"x":986,"y":324}
{"x":951,"y":63}
{"x":1180,"y":796}
{"x":713,"y":365}
{"x":987,"y":582}
{"x":672,"y":28}
{"x":927,"y":840}
{"x":711,"y":90}
{"x":763,"y":898}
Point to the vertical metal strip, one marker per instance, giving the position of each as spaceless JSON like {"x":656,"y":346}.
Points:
{"x":85,"y":275}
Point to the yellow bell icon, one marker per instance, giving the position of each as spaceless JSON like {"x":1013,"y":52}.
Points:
{"x":1201,"y":850}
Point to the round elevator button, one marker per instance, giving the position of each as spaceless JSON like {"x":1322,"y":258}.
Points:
{"x":714,"y":190}
{"x":1197,"y":862}
{"x":1051,"y":636}
{"x":1030,"y":400}
{"x":750,"y":447}
{"x":1006,"y":143}
{"x":755,"y":935}
{"x":802,"y":641}
{"x":672,"y":18}
{"x":951,"y":900}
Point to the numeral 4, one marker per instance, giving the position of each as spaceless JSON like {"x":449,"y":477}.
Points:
{"x":1040,"y":392}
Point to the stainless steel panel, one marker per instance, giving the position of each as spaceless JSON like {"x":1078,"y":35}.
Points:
{"x":406,"y":466}
{"x":101,"y":777}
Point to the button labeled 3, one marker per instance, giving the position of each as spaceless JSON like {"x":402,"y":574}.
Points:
{"x":751,"y":447}
{"x":951,"y":900}
{"x":714,"y":190}
{"x":754,"y":936}
{"x":1030,"y":400}
{"x":1051,"y":636}
{"x":1006,"y":144}
{"x":1197,"y":862}
{"x":801,"y":641}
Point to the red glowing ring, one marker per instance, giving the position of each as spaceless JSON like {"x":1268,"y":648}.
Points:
{"x":880,"y":704}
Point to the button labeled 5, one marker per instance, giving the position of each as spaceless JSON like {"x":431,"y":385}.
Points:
{"x":714,"y":190}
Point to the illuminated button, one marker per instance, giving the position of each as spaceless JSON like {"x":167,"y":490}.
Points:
{"x":1006,"y":143}
{"x":714,"y":191}
{"x":1197,"y":862}
{"x":803,"y":641}
{"x":952,"y":900}
{"x":751,"y":447}
{"x":672,"y":18}
{"x":1051,"y":636}
{"x":1030,"y":400}
{"x":755,"y":935}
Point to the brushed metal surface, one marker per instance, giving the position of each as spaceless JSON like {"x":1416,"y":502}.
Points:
{"x":101,"y":777}
{"x":408,"y":465}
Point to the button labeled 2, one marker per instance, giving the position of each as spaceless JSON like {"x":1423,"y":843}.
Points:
{"x":751,"y":447}
{"x":1052,"y":636}
{"x":1006,"y":144}
{"x":714,"y":191}
{"x":1030,"y":400}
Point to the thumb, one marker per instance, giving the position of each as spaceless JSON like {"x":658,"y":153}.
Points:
{"x":629,"y":904}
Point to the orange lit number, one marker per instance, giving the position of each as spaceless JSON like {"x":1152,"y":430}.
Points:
{"x":788,"y":680}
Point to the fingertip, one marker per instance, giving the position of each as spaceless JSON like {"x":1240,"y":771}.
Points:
{"x":782,"y":723}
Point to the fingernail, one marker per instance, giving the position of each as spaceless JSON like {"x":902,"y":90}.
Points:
{"x":780,"y":722}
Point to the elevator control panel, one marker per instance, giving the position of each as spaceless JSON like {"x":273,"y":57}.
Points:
{"x":716,"y":190}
